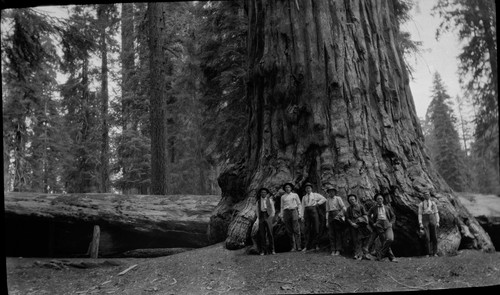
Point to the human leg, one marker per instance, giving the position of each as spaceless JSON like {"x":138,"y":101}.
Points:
{"x":308,"y":224}
{"x":338,"y":228}
{"x":356,"y":246}
{"x":432,"y":239}
{"x":296,"y":229}
{"x":288,"y":220}
{"x":388,"y":238}
{"x":270,"y":236}
{"x":314,"y":228}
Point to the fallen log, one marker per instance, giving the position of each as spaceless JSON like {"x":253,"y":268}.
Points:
{"x":153,"y":252}
{"x":486,"y":210}
{"x":127,"y":222}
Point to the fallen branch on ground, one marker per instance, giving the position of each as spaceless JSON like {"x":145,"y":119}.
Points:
{"x":125,"y":271}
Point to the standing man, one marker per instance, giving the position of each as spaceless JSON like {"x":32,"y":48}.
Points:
{"x":310,"y":203}
{"x":357,"y":218}
{"x":428,"y":219}
{"x":265,"y":214}
{"x":290,"y":213}
{"x":382,"y":217}
{"x":335,"y":210}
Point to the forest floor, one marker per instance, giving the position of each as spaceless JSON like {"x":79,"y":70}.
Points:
{"x":215,"y":270}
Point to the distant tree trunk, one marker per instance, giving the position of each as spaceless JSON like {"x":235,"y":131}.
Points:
{"x":127,"y":59}
{"x":84,"y":179}
{"x":157,"y":62}
{"x":103,"y":18}
{"x":330,"y":103}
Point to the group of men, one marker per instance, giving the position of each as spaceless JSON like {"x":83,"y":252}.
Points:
{"x":364,"y":226}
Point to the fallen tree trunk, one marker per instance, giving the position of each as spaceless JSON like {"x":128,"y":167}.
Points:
{"x":486,"y":210}
{"x":127,"y":221}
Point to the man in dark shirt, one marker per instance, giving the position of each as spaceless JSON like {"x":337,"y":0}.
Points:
{"x":382,"y":218}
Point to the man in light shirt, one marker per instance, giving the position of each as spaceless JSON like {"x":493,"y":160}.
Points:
{"x":290,"y":213}
{"x":335,"y":210}
{"x":383,"y":218}
{"x":428,"y":219}
{"x":310,"y":203}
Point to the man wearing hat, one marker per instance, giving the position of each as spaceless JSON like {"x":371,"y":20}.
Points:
{"x":335,"y":210}
{"x":382,"y":218}
{"x":265,"y":214}
{"x":290,"y":213}
{"x":357,"y":218}
{"x":310,"y":203}
{"x":428,"y":220}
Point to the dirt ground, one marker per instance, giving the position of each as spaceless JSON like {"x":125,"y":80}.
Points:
{"x":215,"y":270}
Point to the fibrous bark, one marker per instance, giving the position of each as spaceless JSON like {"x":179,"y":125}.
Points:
{"x":331,"y":104}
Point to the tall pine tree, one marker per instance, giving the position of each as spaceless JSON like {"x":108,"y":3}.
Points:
{"x":475,"y":23}
{"x":443,"y":140}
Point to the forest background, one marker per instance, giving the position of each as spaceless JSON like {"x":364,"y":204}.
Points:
{"x":76,"y":97}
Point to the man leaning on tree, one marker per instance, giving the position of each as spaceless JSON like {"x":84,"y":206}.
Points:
{"x":382,"y":218}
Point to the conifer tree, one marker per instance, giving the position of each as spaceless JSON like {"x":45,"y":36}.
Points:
{"x":475,"y":23}
{"x":443,"y":140}
{"x":31,"y":121}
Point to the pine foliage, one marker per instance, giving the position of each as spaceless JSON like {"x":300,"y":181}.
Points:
{"x":443,"y":140}
{"x":475,"y":23}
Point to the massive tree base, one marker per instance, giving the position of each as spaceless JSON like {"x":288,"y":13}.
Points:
{"x":330,"y":104}
{"x":62,"y":225}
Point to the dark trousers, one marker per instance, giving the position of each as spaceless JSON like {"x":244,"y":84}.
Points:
{"x":359,"y":241}
{"x":291,"y":220}
{"x":311,"y":223}
{"x":265,"y":233}
{"x":383,"y":230}
{"x":335,"y":229}
{"x":429,"y":223}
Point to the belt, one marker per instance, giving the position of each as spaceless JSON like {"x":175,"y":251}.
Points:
{"x":291,"y":209}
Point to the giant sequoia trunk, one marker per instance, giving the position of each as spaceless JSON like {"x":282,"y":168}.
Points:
{"x":330,"y":103}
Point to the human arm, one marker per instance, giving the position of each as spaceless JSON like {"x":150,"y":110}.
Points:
{"x":273,"y":211}
{"x":320,"y":200}
{"x":420,"y":215}
{"x":300,"y":205}
{"x":282,"y":204}
{"x":393,"y":215}
{"x":343,"y":209}
{"x":257,"y":209}
{"x":436,"y":213}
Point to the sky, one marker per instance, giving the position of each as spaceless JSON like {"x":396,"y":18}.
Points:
{"x":440,"y":56}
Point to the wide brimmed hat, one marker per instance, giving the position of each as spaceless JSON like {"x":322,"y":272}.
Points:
{"x":288,"y":183}
{"x":308,"y":184}
{"x":264,"y":189}
{"x":352,"y":195}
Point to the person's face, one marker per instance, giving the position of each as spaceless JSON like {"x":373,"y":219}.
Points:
{"x":332,"y":193}
{"x":309,"y":189}
{"x":263,"y":193}
{"x":288,"y":188}
{"x":427,"y":196}
{"x":380,"y":200}
{"x":352,"y":200}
